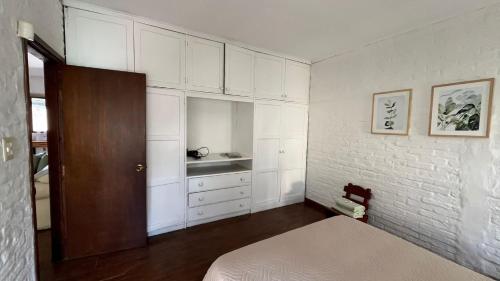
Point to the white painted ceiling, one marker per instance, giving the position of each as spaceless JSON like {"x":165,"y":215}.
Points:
{"x":310,"y":29}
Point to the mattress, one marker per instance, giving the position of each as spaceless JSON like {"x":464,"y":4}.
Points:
{"x":339,"y":249}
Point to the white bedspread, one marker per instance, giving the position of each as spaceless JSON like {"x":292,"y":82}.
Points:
{"x":337,"y":249}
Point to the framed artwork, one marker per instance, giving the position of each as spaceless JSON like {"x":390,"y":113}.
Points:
{"x":462,"y":109}
{"x":391,"y":112}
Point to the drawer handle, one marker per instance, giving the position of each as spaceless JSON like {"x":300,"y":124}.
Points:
{"x":242,"y":192}
{"x":241,"y":205}
{"x":200,"y":213}
{"x":201,"y":198}
{"x":200,"y":184}
{"x":242,"y":179}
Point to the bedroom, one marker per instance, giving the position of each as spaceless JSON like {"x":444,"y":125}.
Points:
{"x":290,"y":99}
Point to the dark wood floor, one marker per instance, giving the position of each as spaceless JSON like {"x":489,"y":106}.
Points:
{"x":181,"y":255}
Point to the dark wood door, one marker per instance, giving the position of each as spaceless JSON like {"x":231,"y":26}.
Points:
{"x":103,"y":147}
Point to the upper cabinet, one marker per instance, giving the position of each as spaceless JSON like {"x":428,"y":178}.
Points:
{"x":269,"y":77}
{"x":101,"y":41}
{"x":204,"y":65}
{"x":160,"y":54}
{"x":239,"y":71}
{"x":297,"y":81}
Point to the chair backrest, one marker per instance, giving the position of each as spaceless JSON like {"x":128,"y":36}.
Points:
{"x":357,"y":190}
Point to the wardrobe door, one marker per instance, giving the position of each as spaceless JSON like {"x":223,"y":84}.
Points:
{"x":99,"y":41}
{"x":266,"y":188}
{"x":165,"y":160}
{"x":161,"y":54}
{"x":293,"y":185}
{"x":204,"y":65}
{"x":269,"y":77}
{"x":239,"y":71}
{"x":293,"y":153}
{"x":297,"y":81}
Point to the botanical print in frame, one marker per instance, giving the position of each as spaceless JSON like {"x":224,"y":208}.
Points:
{"x":391,"y":112}
{"x":462,"y":109}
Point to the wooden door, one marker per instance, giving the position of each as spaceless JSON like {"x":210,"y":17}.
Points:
{"x":269,"y":77}
{"x":297,"y":81}
{"x":165,"y":151}
{"x":239,"y":71}
{"x":104,"y":142}
{"x":97,"y":40}
{"x":204,"y":65}
{"x":161,"y":54}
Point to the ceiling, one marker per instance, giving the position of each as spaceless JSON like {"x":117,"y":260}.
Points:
{"x":309,"y":29}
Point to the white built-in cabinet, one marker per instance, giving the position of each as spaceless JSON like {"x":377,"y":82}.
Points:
{"x":204,"y":65}
{"x":97,"y":40}
{"x":160,"y":53}
{"x":204,"y":93}
{"x":280,"y":149}
{"x":239,"y":71}
{"x":297,"y":81}
{"x":165,"y":159}
{"x":269,"y":77}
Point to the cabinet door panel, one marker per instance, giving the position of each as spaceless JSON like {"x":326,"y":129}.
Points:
{"x":292,"y":184}
{"x":166,"y":206}
{"x":293,"y":155}
{"x":269,"y":77}
{"x":163,"y":162}
{"x":294,"y":121}
{"x":267,"y":154}
{"x":239,"y":71}
{"x":160,"y":54}
{"x":297,"y":81}
{"x":205,"y":65}
{"x":267,"y":120}
{"x":100,"y":41}
{"x":266,"y":188}
{"x":163,"y":113}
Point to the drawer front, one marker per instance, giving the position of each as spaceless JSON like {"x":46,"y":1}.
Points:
{"x":216,"y":196}
{"x":220,"y":181}
{"x":205,"y":212}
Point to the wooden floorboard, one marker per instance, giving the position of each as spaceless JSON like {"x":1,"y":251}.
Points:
{"x":180,"y":255}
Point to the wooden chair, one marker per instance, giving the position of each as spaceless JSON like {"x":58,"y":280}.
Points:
{"x":365,"y":194}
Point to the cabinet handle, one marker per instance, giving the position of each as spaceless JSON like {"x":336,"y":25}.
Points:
{"x":241,"y":205}
{"x":242,"y":179}
{"x":201,"y":199}
{"x":242,"y":192}
{"x":200,"y":213}
{"x":200,"y":184}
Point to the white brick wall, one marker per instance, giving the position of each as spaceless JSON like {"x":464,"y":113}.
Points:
{"x":16,"y":231}
{"x":440,"y":193}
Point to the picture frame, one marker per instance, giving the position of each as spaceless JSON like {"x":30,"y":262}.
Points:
{"x":462,"y":109}
{"x":391,"y":112}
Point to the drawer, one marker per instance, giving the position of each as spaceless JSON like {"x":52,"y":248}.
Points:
{"x":220,"y":181}
{"x":208,"y":211}
{"x":216,"y":196}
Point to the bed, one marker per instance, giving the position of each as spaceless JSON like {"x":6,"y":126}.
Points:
{"x":339,"y":249}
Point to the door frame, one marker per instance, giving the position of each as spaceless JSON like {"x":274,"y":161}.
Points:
{"x":50,"y":57}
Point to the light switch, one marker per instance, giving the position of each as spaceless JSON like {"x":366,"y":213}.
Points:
{"x":8,"y":149}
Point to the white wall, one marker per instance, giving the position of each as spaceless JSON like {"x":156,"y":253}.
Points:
{"x":440,"y":193}
{"x":16,"y":231}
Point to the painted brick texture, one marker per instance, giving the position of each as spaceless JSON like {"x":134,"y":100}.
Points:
{"x":440,"y":193}
{"x":16,"y":230}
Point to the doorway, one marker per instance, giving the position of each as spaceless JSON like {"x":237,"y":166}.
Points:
{"x":87,"y":131}
{"x":42,"y":116}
